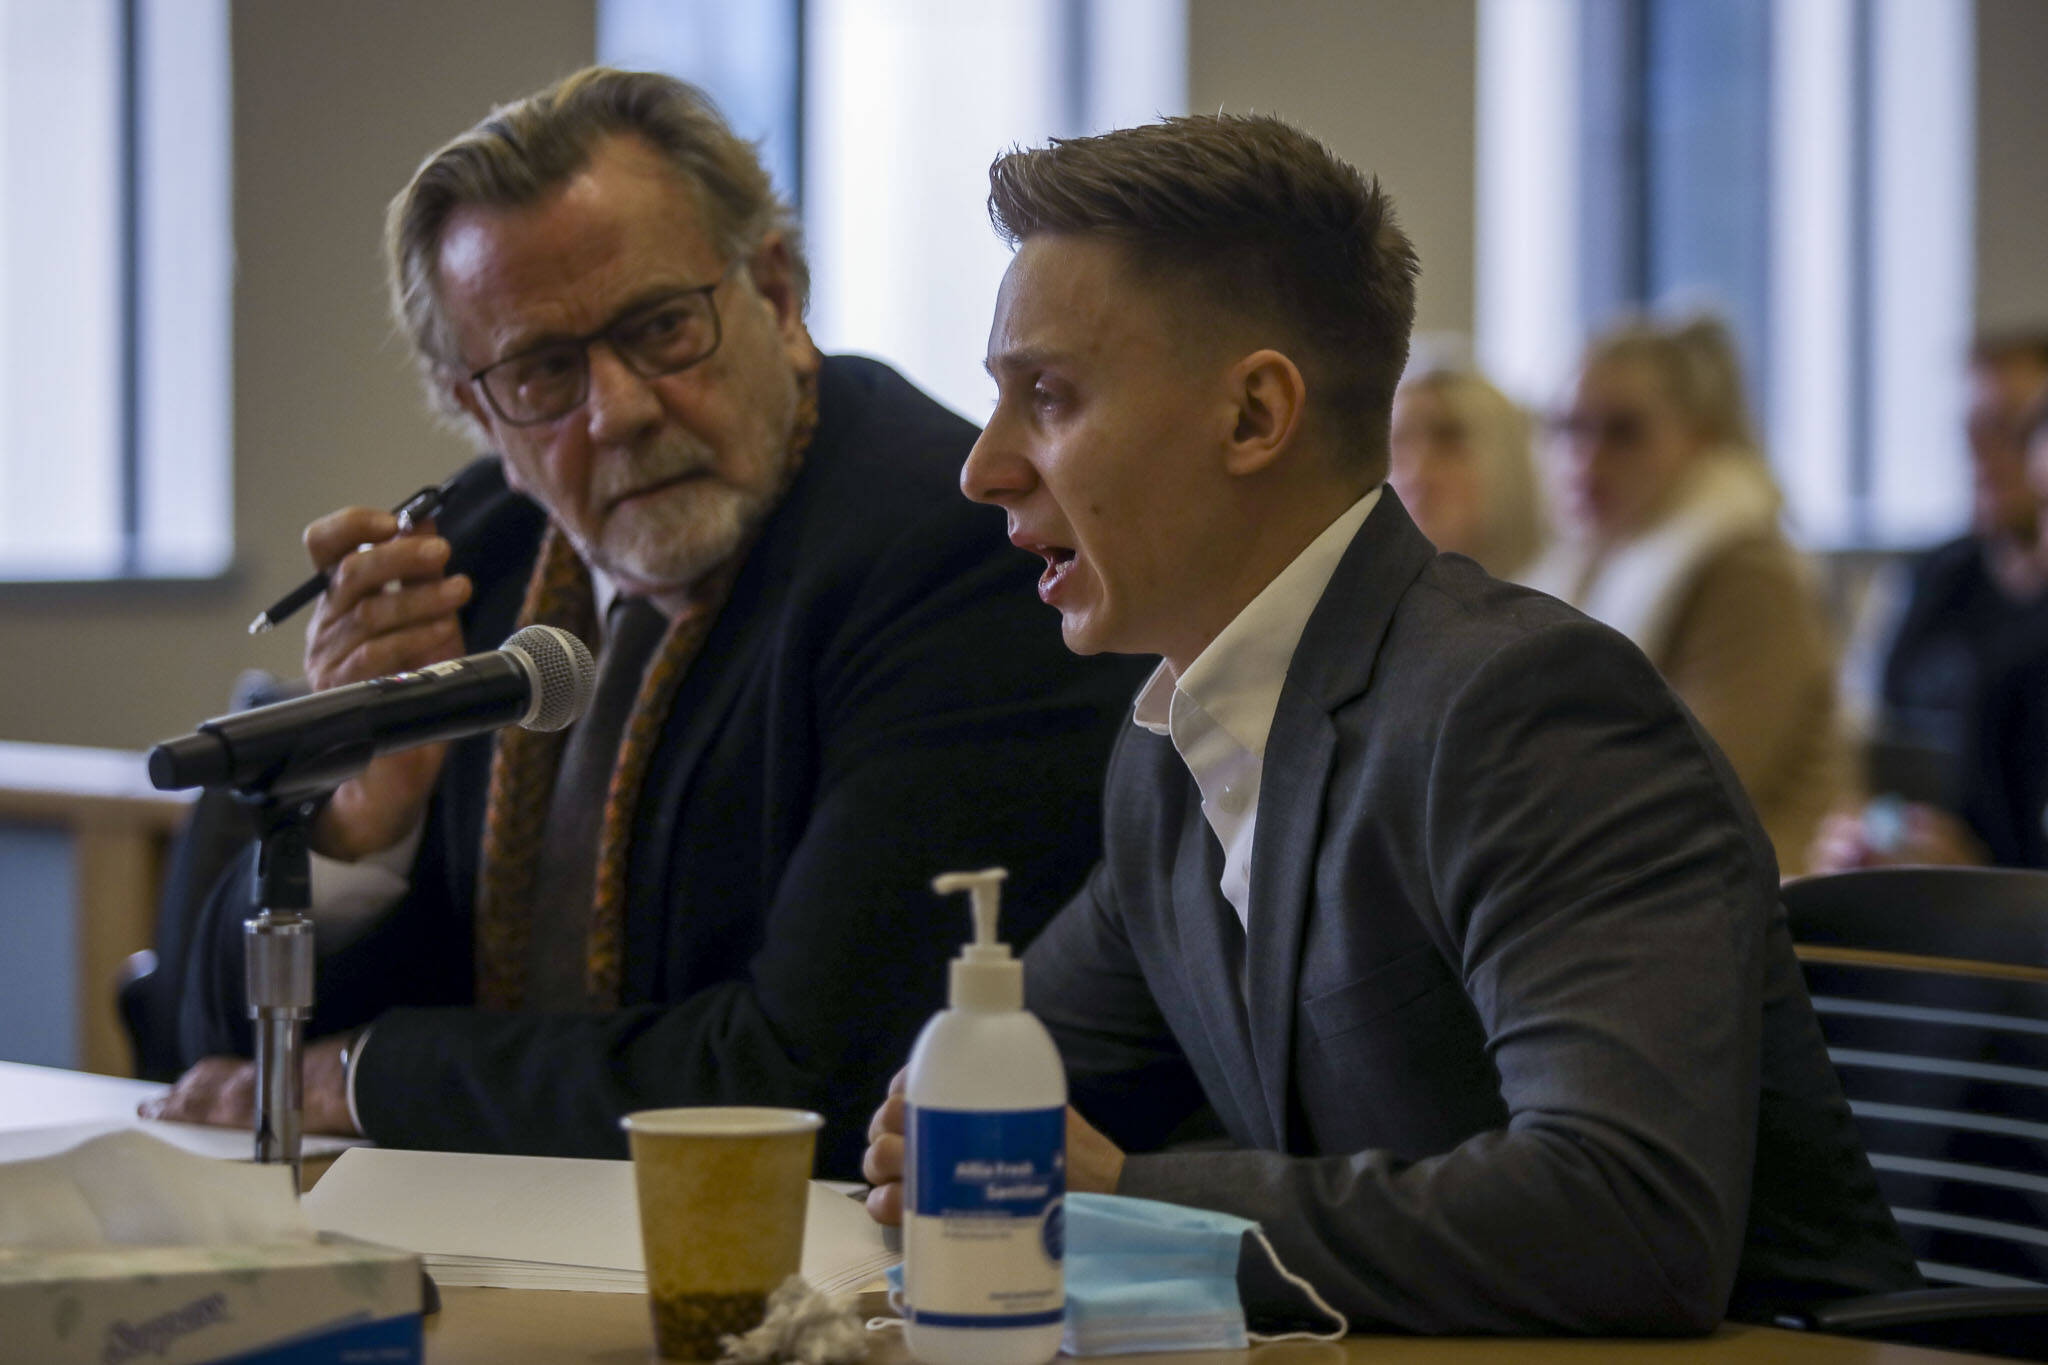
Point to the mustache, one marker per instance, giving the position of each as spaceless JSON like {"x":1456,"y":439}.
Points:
{"x":674,"y":457}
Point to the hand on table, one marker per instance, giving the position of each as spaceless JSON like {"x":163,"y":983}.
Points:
{"x":222,"y":1091}
{"x":1892,"y":833}
{"x":387,"y":608}
{"x":1093,"y":1162}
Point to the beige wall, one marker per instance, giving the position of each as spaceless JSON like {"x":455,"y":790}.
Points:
{"x":2012,"y":163}
{"x":334,"y":104}
{"x":1388,"y":84}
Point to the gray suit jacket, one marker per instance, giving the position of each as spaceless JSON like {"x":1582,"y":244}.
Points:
{"x":1517,"y":1042}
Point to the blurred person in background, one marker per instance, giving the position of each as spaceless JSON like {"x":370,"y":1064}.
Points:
{"x":1940,"y":629}
{"x":1974,"y":634}
{"x":1936,"y":628}
{"x":1463,"y":468}
{"x":1668,"y":530}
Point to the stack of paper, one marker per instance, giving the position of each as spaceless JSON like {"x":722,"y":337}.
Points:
{"x":225,"y":1144}
{"x":518,"y":1222}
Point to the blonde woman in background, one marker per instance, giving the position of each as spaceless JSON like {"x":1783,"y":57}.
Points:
{"x":1463,"y":469}
{"x":1668,"y":523}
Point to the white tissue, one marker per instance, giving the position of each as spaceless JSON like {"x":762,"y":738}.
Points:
{"x":129,"y":1189}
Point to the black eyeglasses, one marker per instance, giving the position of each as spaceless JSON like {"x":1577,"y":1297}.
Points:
{"x":666,"y":334}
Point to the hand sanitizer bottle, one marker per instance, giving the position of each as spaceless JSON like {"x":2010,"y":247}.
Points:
{"x":985,"y":1163}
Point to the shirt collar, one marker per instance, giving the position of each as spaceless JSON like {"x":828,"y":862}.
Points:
{"x":604,"y":590}
{"x":1237,"y":679}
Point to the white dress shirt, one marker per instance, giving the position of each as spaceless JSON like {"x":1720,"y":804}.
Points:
{"x":1219,"y":713}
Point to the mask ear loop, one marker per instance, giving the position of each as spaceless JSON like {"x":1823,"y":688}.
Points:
{"x":1343,"y":1327}
{"x":884,"y":1324}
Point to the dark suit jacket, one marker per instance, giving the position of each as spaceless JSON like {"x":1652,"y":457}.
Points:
{"x":1517,"y":1042}
{"x":883,"y":698}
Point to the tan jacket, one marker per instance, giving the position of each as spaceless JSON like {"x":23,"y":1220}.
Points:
{"x":1729,"y":613}
{"x":1752,"y":654}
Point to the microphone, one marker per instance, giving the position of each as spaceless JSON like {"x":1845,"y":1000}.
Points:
{"x":541,"y":679}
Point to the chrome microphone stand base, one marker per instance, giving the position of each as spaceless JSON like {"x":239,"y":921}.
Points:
{"x":278,"y":965}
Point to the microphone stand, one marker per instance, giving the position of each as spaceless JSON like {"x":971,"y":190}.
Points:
{"x":277,"y":945}
{"x":278,"y":967}
{"x":286,"y":775}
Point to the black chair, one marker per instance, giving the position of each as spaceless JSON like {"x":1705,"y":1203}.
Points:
{"x":150,"y":984}
{"x":1931,"y":984}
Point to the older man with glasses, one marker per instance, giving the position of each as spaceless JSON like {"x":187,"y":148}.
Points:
{"x":823,"y":676}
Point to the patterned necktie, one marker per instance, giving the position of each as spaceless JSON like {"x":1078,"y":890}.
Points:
{"x":565,"y":873}
{"x":523,"y":791}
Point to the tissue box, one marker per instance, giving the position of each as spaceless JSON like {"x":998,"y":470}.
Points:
{"x":310,"y":1303}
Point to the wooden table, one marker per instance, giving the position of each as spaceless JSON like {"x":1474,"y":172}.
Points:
{"x":511,"y":1326}
{"x":120,"y":827}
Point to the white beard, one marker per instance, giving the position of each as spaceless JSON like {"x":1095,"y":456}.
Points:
{"x":672,"y":538}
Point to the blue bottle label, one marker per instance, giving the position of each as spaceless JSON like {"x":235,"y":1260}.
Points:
{"x":982,"y":1233}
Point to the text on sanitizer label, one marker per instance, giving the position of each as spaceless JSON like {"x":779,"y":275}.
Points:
{"x":982,"y":1238}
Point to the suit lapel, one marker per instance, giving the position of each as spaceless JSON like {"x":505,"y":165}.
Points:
{"x":706,"y":697}
{"x":1299,"y":754}
{"x":1331,"y":666}
{"x":1214,"y":946}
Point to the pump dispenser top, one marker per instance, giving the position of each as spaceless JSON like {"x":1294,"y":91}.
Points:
{"x":985,"y":977}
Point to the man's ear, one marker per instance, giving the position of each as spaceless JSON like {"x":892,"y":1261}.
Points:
{"x":773,"y":271}
{"x":1271,"y":399}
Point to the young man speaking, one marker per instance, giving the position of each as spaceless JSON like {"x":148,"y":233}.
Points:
{"x":1425,"y":883}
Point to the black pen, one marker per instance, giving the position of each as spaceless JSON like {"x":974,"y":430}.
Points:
{"x":421,"y":506}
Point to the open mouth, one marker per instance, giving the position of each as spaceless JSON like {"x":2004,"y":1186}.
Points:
{"x":1059,"y":561}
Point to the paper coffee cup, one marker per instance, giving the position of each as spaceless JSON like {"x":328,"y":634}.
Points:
{"x":722,"y":1198}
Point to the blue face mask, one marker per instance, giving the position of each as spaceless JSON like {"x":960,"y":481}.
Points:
{"x":1147,"y":1276}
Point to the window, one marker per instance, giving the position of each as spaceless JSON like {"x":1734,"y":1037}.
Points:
{"x":114,"y":289}
{"x":1802,"y":167}
{"x":884,"y":116}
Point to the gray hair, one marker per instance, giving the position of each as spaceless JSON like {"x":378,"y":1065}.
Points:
{"x":528,"y":149}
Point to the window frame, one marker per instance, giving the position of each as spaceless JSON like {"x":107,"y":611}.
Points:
{"x":159,"y":566}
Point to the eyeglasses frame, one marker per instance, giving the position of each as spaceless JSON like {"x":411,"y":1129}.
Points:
{"x":583,"y":343}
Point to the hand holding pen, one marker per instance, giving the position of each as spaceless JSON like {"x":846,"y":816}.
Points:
{"x":415,"y":511}
{"x":388,"y":605}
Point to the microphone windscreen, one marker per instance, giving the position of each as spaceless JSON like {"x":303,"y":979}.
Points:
{"x":566,"y":672}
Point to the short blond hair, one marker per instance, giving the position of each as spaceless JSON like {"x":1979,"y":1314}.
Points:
{"x":1500,"y":435}
{"x":1696,"y":362}
{"x":1256,"y":218}
{"x":528,"y":149}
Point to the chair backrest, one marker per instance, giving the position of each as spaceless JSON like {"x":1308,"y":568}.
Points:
{"x":149,"y":993}
{"x":1932,"y":989}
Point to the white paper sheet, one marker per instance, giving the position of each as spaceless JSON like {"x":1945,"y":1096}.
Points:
{"x":548,"y":1222}
{"x":44,"y":1111}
